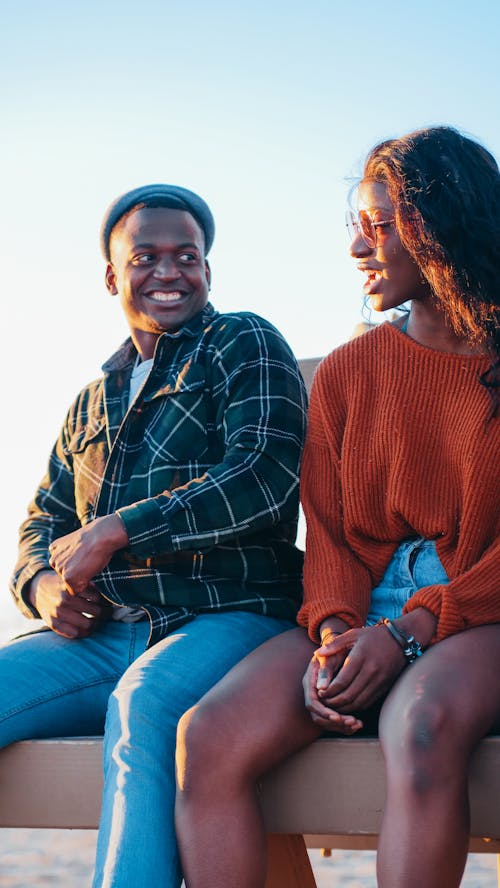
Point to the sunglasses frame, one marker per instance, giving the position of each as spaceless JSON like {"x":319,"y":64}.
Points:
{"x":355,"y":227}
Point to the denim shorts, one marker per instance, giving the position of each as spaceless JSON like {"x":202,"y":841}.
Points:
{"x":414,"y":564}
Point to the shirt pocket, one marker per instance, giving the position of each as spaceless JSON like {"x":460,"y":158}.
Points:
{"x":177,"y":420}
{"x":87,"y":449}
{"x":84,"y":436}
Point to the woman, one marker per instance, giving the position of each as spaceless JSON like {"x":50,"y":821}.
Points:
{"x":401,"y":491}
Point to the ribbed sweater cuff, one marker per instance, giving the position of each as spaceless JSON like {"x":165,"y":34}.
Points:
{"x":438,"y":600}
{"x":312,"y":614}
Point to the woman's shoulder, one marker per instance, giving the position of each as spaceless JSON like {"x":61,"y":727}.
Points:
{"x":361,"y":347}
{"x":349,"y":365}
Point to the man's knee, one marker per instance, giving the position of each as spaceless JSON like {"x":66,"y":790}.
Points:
{"x":142,"y":715}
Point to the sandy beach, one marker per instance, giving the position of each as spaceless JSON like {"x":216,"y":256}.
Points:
{"x":31,"y":858}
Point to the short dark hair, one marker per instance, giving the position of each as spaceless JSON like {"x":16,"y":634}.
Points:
{"x":445,"y":188}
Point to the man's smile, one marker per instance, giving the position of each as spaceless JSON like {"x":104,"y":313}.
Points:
{"x":172,"y":296}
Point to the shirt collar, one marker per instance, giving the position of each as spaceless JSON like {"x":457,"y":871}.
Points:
{"x":127,"y":353}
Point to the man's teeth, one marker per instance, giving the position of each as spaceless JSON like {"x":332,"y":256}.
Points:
{"x":160,"y":296}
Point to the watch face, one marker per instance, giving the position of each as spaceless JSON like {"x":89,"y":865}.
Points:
{"x":413,"y":649}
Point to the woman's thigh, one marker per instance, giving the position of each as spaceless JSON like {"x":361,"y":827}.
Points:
{"x":53,"y":686}
{"x":450,"y":694}
{"x":256,"y":714}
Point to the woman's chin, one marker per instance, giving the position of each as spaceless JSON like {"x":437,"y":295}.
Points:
{"x":381,"y":303}
{"x":377,"y":302}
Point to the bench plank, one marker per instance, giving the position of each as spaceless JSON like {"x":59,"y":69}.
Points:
{"x":335,"y":787}
{"x":51,"y":783}
{"x":332,"y":792}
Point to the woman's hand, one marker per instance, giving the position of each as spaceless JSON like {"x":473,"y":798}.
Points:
{"x":371,"y":662}
{"x":319,"y":675}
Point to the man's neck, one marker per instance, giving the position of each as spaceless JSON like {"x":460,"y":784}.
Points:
{"x":145,"y":343}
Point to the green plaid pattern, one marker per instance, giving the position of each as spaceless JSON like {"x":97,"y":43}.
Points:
{"x":202,"y":469}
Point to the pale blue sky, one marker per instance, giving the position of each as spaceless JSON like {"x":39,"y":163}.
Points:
{"x":265,"y":108}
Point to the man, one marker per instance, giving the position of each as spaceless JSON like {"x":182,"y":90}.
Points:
{"x":159,"y":547}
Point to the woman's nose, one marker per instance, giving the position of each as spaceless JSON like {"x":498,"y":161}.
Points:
{"x":359,"y":248}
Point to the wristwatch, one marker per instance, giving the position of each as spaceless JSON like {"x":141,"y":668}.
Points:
{"x":408,"y":644}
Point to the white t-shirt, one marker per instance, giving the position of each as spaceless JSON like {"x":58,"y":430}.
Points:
{"x":139,"y":375}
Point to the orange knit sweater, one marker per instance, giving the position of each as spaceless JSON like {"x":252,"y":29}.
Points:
{"x":398,"y":447}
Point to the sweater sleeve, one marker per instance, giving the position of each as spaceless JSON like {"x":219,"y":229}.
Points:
{"x":471,"y":599}
{"x":336,"y":583}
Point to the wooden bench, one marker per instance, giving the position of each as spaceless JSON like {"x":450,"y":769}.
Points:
{"x":330,"y":795}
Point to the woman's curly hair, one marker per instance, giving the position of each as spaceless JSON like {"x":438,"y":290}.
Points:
{"x":445,"y":189}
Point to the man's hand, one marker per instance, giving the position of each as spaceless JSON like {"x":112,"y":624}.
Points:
{"x":73,"y":616}
{"x":79,"y":556}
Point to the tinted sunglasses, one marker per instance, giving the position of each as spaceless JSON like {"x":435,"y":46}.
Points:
{"x":359,"y":222}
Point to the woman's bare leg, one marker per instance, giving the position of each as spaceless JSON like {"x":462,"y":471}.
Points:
{"x":251,"y":720}
{"x":437,"y":712}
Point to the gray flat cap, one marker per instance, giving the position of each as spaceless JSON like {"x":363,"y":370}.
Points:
{"x":172,"y":196}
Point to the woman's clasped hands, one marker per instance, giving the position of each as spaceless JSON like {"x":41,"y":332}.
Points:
{"x":347,"y":674}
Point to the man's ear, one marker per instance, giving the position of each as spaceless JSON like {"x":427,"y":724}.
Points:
{"x":208,"y":273}
{"x":110,"y":278}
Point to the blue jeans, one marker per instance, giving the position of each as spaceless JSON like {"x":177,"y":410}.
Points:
{"x":414,"y":564}
{"x":50,"y":686}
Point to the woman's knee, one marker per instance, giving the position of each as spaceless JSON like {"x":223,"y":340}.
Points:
{"x":208,"y":747}
{"x":421,"y":744}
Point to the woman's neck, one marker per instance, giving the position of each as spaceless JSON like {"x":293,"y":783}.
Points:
{"x":430,"y":326}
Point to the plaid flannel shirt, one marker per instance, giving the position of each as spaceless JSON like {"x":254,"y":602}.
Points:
{"x":202,"y":469}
